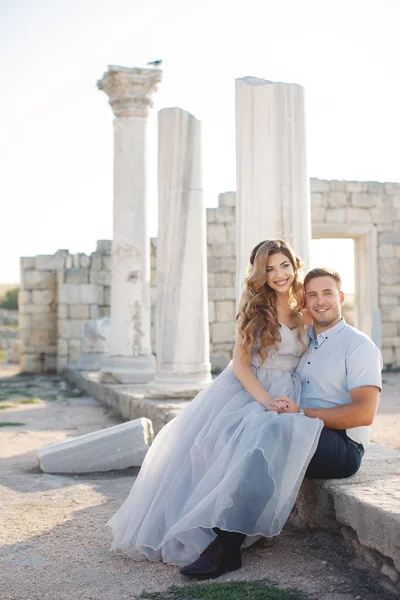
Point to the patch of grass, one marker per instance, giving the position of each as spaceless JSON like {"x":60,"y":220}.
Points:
{"x":19,"y":392}
{"x":71,"y":394}
{"x":231,"y":590}
{"x":4,"y":406}
{"x":10,"y":326}
{"x":11,"y":424}
{"x":28,"y":401}
{"x":3,"y":355}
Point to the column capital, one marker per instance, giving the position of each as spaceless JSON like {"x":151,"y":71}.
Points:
{"x":130,"y":89}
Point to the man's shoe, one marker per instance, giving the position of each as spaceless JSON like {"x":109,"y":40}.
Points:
{"x":265,"y":542}
{"x":214,"y":561}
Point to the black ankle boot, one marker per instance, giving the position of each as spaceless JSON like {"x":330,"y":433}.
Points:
{"x":222,"y":555}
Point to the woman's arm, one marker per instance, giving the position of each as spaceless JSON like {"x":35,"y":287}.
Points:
{"x":242,"y":370}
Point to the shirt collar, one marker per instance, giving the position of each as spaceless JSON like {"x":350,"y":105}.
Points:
{"x":324,"y":335}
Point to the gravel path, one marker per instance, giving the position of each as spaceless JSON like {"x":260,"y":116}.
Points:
{"x":54,"y":545}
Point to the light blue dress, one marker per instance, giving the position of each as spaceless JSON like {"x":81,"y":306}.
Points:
{"x":223,"y":462}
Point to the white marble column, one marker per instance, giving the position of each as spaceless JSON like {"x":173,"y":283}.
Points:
{"x":273,"y":197}
{"x":183,"y":366}
{"x":130,"y":359}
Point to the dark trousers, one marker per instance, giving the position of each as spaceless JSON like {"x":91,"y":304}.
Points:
{"x":335,"y":457}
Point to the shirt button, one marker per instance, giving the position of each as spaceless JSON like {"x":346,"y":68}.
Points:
{"x":308,"y":382}
{"x":309,"y":363}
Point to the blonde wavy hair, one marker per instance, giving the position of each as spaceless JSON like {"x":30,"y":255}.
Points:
{"x":257,"y":316}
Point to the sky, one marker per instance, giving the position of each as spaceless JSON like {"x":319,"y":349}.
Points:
{"x":56,"y":142}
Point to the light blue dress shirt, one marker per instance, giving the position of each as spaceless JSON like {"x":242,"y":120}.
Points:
{"x":337,"y":361}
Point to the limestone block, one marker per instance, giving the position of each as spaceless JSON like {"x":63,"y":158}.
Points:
{"x":216,"y":233}
{"x":335,"y":215}
{"x":62,"y":311}
{"x":219,"y":360}
{"x":106,"y":262}
{"x":210,"y":280}
{"x":79,"y":311}
{"x":390,"y":238}
{"x":225,"y":310}
{"x":38,"y":280}
{"x":96,"y":261}
{"x":84,"y":261}
{"x":317,"y":199}
{"x":24,"y":297}
{"x":211,"y":215}
{"x":94,"y":312}
{"x":228,"y":264}
{"x":211,"y":311}
{"x":27,"y":262}
{"x":42,"y":296}
{"x":214,"y":265}
{"x":222,"y":293}
{"x":62,"y":362}
{"x":36,"y":309}
{"x":91,"y":294}
{"x":48,"y":262}
{"x":375,"y":187}
{"x":95,"y":336}
{"x":102,"y":277}
{"x":387,"y":356}
{"x":230,"y":229}
{"x":104,"y":311}
{"x":224,"y":279}
{"x":388,"y":300}
{"x":223,"y":250}
{"x":391,"y":188}
{"x":225,"y":214}
{"x":357,"y":215}
{"x":318,"y":214}
{"x":336,"y":199}
{"x":103,"y":246}
{"x":153,"y":278}
{"x":37,"y":337}
{"x":76,"y":276}
{"x":62,"y":347}
{"x":30,"y":363}
{"x":69,"y":294}
{"x":319,"y":185}
{"x":386,"y":251}
{"x":25,"y":322}
{"x":394,"y":316}
{"x":365,"y":200}
{"x":337,"y":186}
{"x":223,"y":332}
{"x":397,"y":251}
{"x":107,"y":295}
{"x":227,"y":199}
{"x":389,"y":266}
{"x":45,"y":321}
{"x":356,"y":186}
{"x":73,"y":354}
{"x":384,"y":215}
{"x":117,"y":447}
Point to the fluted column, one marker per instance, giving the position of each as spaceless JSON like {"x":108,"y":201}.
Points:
{"x":183,"y":366}
{"x":273,"y":198}
{"x":130,"y":359}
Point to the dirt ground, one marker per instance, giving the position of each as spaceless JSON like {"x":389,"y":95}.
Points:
{"x":54,"y":543}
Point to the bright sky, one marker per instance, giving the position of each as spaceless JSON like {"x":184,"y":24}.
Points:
{"x":56,"y":147}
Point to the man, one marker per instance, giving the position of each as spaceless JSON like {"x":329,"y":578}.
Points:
{"x":340,"y":375}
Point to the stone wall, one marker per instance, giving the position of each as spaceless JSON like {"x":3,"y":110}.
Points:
{"x":60,"y":292}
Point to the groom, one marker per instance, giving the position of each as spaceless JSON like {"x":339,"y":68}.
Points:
{"x":340,"y":384}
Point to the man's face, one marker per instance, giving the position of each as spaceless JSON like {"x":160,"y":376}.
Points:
{"x":323,"y":300}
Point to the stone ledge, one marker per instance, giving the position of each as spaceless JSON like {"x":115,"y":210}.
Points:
{"x":127,"y":401}
{"x":364,"y":509}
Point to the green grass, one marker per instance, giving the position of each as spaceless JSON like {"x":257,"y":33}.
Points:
{"x":3,"y":355}
{"x":4,"y":406}
{"x":11,"y":424}
{"x":232,"y":590}
{"x":28,"y":401}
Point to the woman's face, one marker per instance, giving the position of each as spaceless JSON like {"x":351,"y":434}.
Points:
{"x":280,"y":273}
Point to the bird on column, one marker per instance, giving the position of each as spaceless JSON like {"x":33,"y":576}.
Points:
{"x":155,"y":63}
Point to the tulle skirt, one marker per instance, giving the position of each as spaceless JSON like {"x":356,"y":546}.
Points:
{"x":223,"y":462}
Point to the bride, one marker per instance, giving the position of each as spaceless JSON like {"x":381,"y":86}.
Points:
{"x":231,"y":464}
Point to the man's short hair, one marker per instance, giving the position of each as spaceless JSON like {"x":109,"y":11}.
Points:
{"x":323,"y":272}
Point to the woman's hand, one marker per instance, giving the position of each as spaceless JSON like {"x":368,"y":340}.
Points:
{"x":290,"y":406}
{"x":279,"y":405}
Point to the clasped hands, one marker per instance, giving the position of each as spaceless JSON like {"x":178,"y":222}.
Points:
{"x":283,"y":404}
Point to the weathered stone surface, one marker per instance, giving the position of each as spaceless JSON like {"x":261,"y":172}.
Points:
{"x":225,"y":310}
{"x":223,"y":332}
{"x":318,"y":214}
{"x":76,"y":276}
{"x":101,"y":277}
{"x":38,"y":280}
{"x":365,"y":200}
{"x":27,"y":262}
{"x":336,"y":199}
{"x":103,"y":246}
{"x":227,"y":199}
{"x":49,"y":262}
{"x":79,"y":311}
{"x":319,"y":185}
{"x":335,"y":215}
{"x":91,"y":294}
{"x":216,"y":233}
{"x":42,"y":296}
{"x":95,"y":336}
{"x":357,"y":215}
{"x":117,"y":447}
{"x":69,"y":294}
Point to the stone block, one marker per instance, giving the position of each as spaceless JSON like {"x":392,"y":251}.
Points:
{"x":30,"y":363}
{"x":337,"y":186}
{"x":103,"y":277}
{"x":225,"y":310}
{"x":317,"y":200}
{"x":394,"y":316}
{"x":62,"y":362}
{"x":211,"y":311}
{"x":62,"y":311}
{"x":222,"y":250}
{"x":49,"y":262}
{"x":104,"y":311}
{"x":214,"y":265}
{"x":358,"y":215}
{"x":46,"y":321}
{"x":391,"y":188}
{"x":104,"y":246}
{"x":73,"y":354}
{"x":219,"y":360}
{"x":336,"y":199}
{"x":79,"y":311}
{"x":27,"y":262}
{"x":225,"y":214}
{"x":222,"y":293}
{"x":69,"y":294}
{"x":386,"y":251}
{"x":223,"y":332}
{"x":225,"y":279}
{"x":365,"y":200}
{"x":228,"y":264}
{"x":38,"y":280}
{"x":388,"y":300}
{"x":211,"y":215}
{"x":91,"y":294}
{"x":107,"y":296}
{"x":210,"y":280}
{"x":375,"y":187}
{"x":36,"y":338}
{"x":84,"y":261}
{"x":106,"y":261}
{"x":230,"y":229}
{"x":95,"y":336}
{"x":43,"y":296}
{"x":335,"y":215}
{"x":319,"y":185}
{"x":36,"y":309}
{"x":227,"y":199}
{"x":25,"y":322}
{"x":117,"y":447}
{"x":24,"y":297}
{"x":76,"y":276}
{"x":356,"y":186}
{"x":318,"y":214}
{"x":96,"y":261}
{"x":389,"y":266}
{"x":62,"y":347}
{"x":216,"y":233}
{"x":94,"y":312}
{"x":384,"y":215}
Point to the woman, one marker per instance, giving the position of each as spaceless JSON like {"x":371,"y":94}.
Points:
{"x":231,"y":464}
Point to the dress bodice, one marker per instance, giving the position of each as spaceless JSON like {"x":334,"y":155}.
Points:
{"x":286,"y":354}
